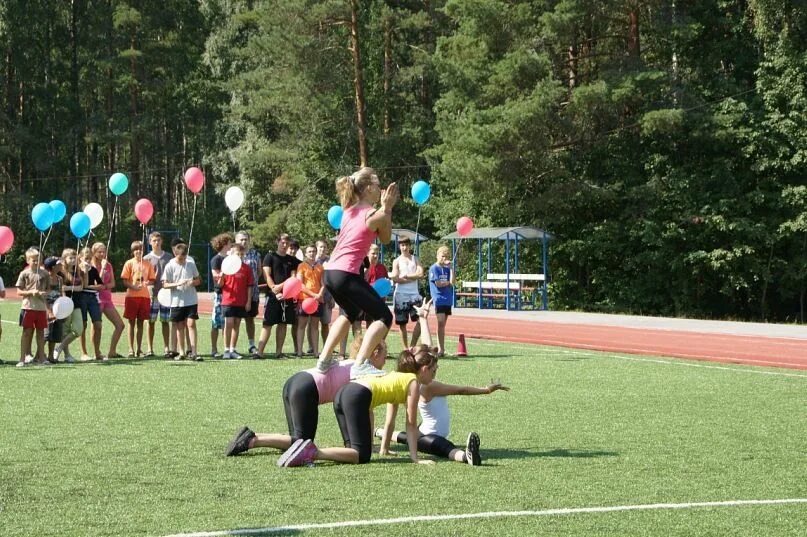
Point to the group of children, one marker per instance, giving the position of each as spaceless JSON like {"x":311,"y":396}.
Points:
{"x":87,"y":279}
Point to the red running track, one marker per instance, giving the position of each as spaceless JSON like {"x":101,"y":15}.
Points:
{"x":726,"y":348}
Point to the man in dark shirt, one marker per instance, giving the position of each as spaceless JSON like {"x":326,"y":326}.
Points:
{"x":278,"y":267}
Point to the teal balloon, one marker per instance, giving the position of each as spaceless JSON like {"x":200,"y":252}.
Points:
{"x":42,"y":216}
{"x":118,"y":183}
{"x":382,"y":286}
{"x":421,"y":191}
{"x":80,"y":225}
{"x":335,"y":217}
{"x":59,"y":210}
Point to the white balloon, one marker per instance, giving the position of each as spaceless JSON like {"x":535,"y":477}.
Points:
{"x":231,"y":265}
{"x":96,"y":214}
{"x":164,"y":297}
{"x":63,"y":307}
{"x":234,"y":198}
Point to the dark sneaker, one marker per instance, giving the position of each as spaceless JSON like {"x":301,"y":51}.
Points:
{"x":240,"y":443}
{"x":472,"y":456}
{"x":301,"y":453}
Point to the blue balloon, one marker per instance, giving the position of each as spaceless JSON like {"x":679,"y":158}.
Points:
{"x":59,"y":210}
{"x":42,"y":216}
{"x":421,"y":191}
{"x":118,"y":183}
{"x":80,"y":225}
{"x":382,"y":286}
{"x":335,"y":217}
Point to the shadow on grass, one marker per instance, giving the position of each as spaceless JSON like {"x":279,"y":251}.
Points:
{"x":557,"y":452}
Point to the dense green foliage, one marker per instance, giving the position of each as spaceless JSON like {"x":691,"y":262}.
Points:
{"x":664,"y":144}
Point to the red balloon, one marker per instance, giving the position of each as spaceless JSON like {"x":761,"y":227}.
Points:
{"x":6,"y":239}
{"x":195,"y":179}
{"x":310,"y":305}
{"x":464,"y":226}
{"x":291,"y":288}
{"x":144,"y":210}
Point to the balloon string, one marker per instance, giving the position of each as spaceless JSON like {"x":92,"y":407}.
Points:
{"x":417,"y":227}
{"x":41,"y":235}
{"x":112,"y":222}
{"x":233,"y":213}
{"x":46,"y":241}
{"x":456,"y":252}
{"x":193,"y":217}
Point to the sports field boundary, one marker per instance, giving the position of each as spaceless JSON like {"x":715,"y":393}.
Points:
{"x":492,"y":514}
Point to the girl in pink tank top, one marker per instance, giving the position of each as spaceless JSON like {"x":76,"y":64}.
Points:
{"x":362,"y":222}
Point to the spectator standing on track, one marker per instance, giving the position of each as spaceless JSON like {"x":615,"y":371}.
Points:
{"x":441,"y":288}
{"x":158,"y":259}
{"x":137,"y":276}
{"x":55,"y":332}
{"x":252,"y":258}
{"x":107,"y":273}
{"x":33,"y":284}
{"x":182,"y":277}
{"x":236,"y":301}
{"x":406,"y":272}
{"x":278,"y":311}
{"x":221,"y":243}
{"x":310,"y":274}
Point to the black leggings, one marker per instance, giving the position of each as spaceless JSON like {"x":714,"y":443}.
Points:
{"x":301,"y":401}
{"x":431,"y":444}
{"x":354,"y":295}
{"x":352,"y":408}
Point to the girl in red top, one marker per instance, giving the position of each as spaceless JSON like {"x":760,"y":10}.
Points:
{"x":236,"y":301}
{"x":362,"y":223}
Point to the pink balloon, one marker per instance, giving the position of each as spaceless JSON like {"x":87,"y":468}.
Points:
{"x":291,"y":288}
{"x":195,"y":179}
{"x":310,"y":305}
{"x":464,"y":226}
{"x":144,"y":210}
{"x":6,"y":239}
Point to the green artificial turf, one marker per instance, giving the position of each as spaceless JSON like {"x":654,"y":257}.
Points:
{"x":134,"y":447}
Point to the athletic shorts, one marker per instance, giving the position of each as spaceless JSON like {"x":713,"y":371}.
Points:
{"x":405,"y":310}
{"x":443,"y":309}
{"x":234,"y":311}
{"x":55,"y":331}
{"x":137,"y":308}
{"x":183,"y":313}
{"x":158,"y":310}
{"x":278,"y":312}
{"x":88,"y":304}
{"x":34,"y":319}
{"x":217,"y":320}
{"x":253,"y":311}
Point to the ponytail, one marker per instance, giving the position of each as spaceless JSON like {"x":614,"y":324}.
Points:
{"x":412,"y":359}
{"x":350,"y":187}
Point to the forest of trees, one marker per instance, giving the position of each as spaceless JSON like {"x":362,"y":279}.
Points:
{"x":662,"y":143}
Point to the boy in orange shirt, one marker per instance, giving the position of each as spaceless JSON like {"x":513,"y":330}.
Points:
{"x":137,"y":275}
{"x":310,"y":273}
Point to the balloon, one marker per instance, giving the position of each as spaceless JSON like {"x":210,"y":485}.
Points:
{"x":291,"y":288}
{"x":464,"y":226}
{"x":42,"y":216}
{"x":96,"y":214}
{"x":80,"y":225}
{"x":59,"y":210}
{"x":421,"y":191}
{"x":164,"y":297}
{"x":118,"y":183}
{"x":234,"y":198}
{"x":335,"y":216}
{"x":63,"y":307}
{"x":231,"y":265}
{"x":144,"y":210}
{"x":310,"y":305}
{"x":6,"y":239}
{"x":382,"y":286}
{"x":195,"y":179}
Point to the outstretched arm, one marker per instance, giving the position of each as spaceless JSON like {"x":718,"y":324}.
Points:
{"x":423,"y":320}
{"x":436,"y":389}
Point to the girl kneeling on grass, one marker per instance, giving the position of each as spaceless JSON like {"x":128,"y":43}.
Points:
{"x":355,"y":402}
{"x":436,"y":416}
{"x":303,"y":392}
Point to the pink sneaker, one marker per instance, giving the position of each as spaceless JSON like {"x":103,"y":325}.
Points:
{"x":301,"y":453}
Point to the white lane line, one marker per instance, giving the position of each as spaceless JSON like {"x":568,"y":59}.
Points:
{"x":490,"y":514}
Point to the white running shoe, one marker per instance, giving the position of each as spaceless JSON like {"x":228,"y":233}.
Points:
{"x":364,"y":370}
{"x":29,"y":359}
{"x":324,"y":364}
{"x":69,"y":359}
{"x":57,"y":353}
{"x":20,"y":364}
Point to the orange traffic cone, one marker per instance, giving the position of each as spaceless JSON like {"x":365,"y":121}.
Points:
{"x":461,"y":350}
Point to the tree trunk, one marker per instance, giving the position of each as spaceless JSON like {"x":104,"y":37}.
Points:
{"x":75,"y":150}
{"x":358,"y":82}
{"x":387,"y":72}
{"x":634,"y":50}
{"x":134,"y":143}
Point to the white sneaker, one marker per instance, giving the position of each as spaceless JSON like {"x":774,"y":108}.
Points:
{"x":227,"y":355}
{"x":365,"y":369}
{"x":29,"y":359}
{"x":69,"y":359}
{"x":235,"y":356}
{"x":324,"y":364}
{"x":57,"y":353}
{"x":20,"y":364}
